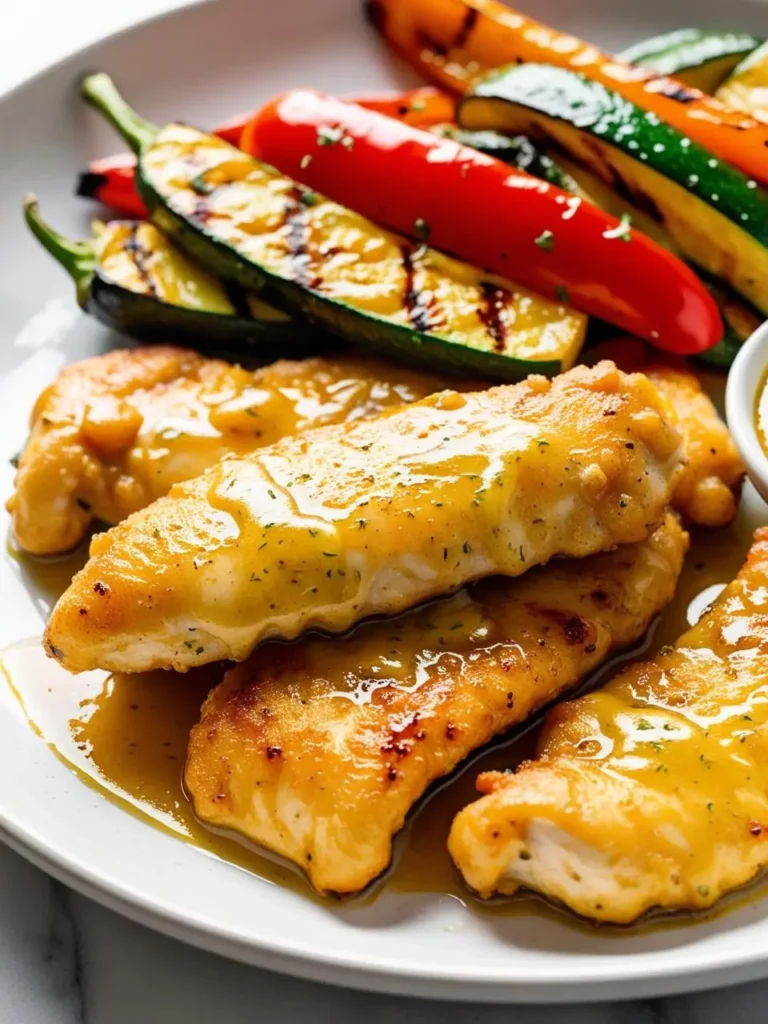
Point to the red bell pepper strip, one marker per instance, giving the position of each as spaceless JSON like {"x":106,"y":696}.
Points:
{"x":110,"y":180}
{"x":481,"y":210}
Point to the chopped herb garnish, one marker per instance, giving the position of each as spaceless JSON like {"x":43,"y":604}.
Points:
{"x":312,"y":533}
{"x":309,"y":198}
{"x":366,"y":447}
{"x":251,"y":412}
{"x":421,"y":229}
{"x":466,"y":547}
{"x":14,"y":460}
{"x":644,"y":724}
{"x":362,"y":523}
{"x":542,"y":443}
{"x":330,"y":554}
{"x":622,"y":229}
{"x":84,"y":505}
{"x":417,"y":105}
{"x":546,"y":241}
{"x":327,"y":136}
{"x":272,"y":494}
{"x":562,"y":294}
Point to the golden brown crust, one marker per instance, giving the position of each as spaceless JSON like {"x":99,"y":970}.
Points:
{"x":318,"y":750}
{"x":115,"y":432}
{"x":349,"y":521}
{"x":648,"y":793}
{"x":709,"y":489}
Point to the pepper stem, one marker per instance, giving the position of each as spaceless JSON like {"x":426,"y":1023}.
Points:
{"x":100,"y":91}
{"x":77,"y":258}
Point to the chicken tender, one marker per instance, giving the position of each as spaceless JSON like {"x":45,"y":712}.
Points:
{"x":708,"y":491}
{"x":115,"y":432}
{"x":649,"y":793}
{"x":319,"y":750}
{"x":372,"y":518}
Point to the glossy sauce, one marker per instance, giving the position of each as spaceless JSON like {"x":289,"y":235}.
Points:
{"x":127,"y":737}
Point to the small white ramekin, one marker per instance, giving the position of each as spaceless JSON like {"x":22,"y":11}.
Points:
{"x":745,"y":380}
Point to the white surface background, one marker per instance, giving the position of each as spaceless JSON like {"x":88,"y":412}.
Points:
{"x":65,"y":960}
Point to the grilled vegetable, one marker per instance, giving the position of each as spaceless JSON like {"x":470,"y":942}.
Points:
{"x":740,"y":319}
{"x":455,"y":42}
{"x":245,"y":221}
{"x":695,"y":57}
{"x":131,"y":279}
{"x":517,"y":151}
{"x":717,"y":217}
{"x":747,"y":87}
{"x":110,"y":179}
{"x":510,"y":222}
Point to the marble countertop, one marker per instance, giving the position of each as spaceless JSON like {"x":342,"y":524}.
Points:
{"x":63,"y":959}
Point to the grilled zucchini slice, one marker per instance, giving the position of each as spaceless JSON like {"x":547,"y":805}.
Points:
{"x":698,"y":58}
{"x":245,"y":221}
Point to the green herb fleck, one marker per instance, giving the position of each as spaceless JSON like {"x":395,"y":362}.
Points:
{"x":466,"y":547}
{"x":421,"y":229}
{"x":309,"y":198}
{"x":272,"y":494}
{"x":546,"y":240}
{"x":562,"y":294}
{"x":327,"y":136}
{"x":644,"y":724}
{"x":622,"y":229}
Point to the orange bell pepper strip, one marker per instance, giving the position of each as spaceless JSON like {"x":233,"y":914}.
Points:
{"x":110,"y":180}
{"x":454,"y":42}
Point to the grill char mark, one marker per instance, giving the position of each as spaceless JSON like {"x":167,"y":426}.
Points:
{"x":494,"y":301}
{"x":141,"y":260}
{"x":421,"y":306}
{"x":467,"y":26}
{"x":297,"y":236}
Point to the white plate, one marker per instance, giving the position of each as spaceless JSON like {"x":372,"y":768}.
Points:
{"x":202,"y":64}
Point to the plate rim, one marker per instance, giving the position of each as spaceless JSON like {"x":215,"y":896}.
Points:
{"x":494,"y":985}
